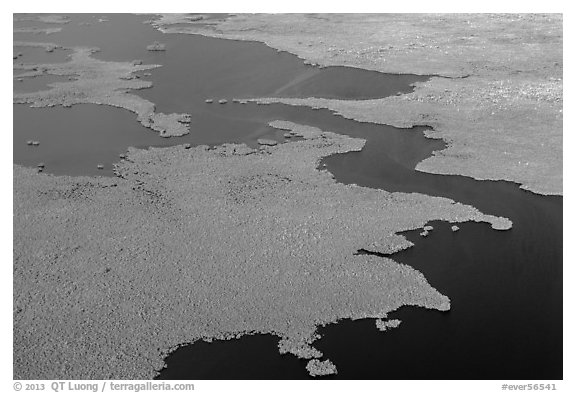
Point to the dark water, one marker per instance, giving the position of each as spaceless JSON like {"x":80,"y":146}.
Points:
{"x":121,"y":38}
{"x":194,"y":68}
{"x":75,"y":140}
{"x":249,"y":357}
{"x":506,"y":315}
{"x":505,"y":287}
{"x":38,"y":55}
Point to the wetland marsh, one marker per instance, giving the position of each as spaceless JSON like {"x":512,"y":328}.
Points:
{"x":331,"y":216}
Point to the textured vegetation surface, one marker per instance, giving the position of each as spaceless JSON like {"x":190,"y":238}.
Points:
{"x":110,"y":274}
{"x":499,"y":110}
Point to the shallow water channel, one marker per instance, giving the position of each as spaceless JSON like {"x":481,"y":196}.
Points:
{"x":194,"y":68}
{"x":505,"y":287}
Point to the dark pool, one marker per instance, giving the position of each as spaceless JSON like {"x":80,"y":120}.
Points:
{"x":249,"y":357}
{"x":505,"y":287}
{"x":195,"y":67}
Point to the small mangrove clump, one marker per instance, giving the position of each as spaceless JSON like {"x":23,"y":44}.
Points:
{"x":317,"y":368}
{"x":387,"y":325}
{"x":156,"y":46}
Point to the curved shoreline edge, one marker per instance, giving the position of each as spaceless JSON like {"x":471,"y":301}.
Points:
{"x":498,"y":105}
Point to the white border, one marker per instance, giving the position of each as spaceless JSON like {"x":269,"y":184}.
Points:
{"x":295,"y":6}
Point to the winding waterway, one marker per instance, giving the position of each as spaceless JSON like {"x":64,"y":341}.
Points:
{"x":505,"y":287}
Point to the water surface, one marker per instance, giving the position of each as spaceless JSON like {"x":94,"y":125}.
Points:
{"x":39,"y":55}
{"x":37,"y":83}
{"x":193,"y":69}
{"x":249,"y":357}
{"x":505,"y":287}
{"x":85,"y":135}
{"x":73,"y":141}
